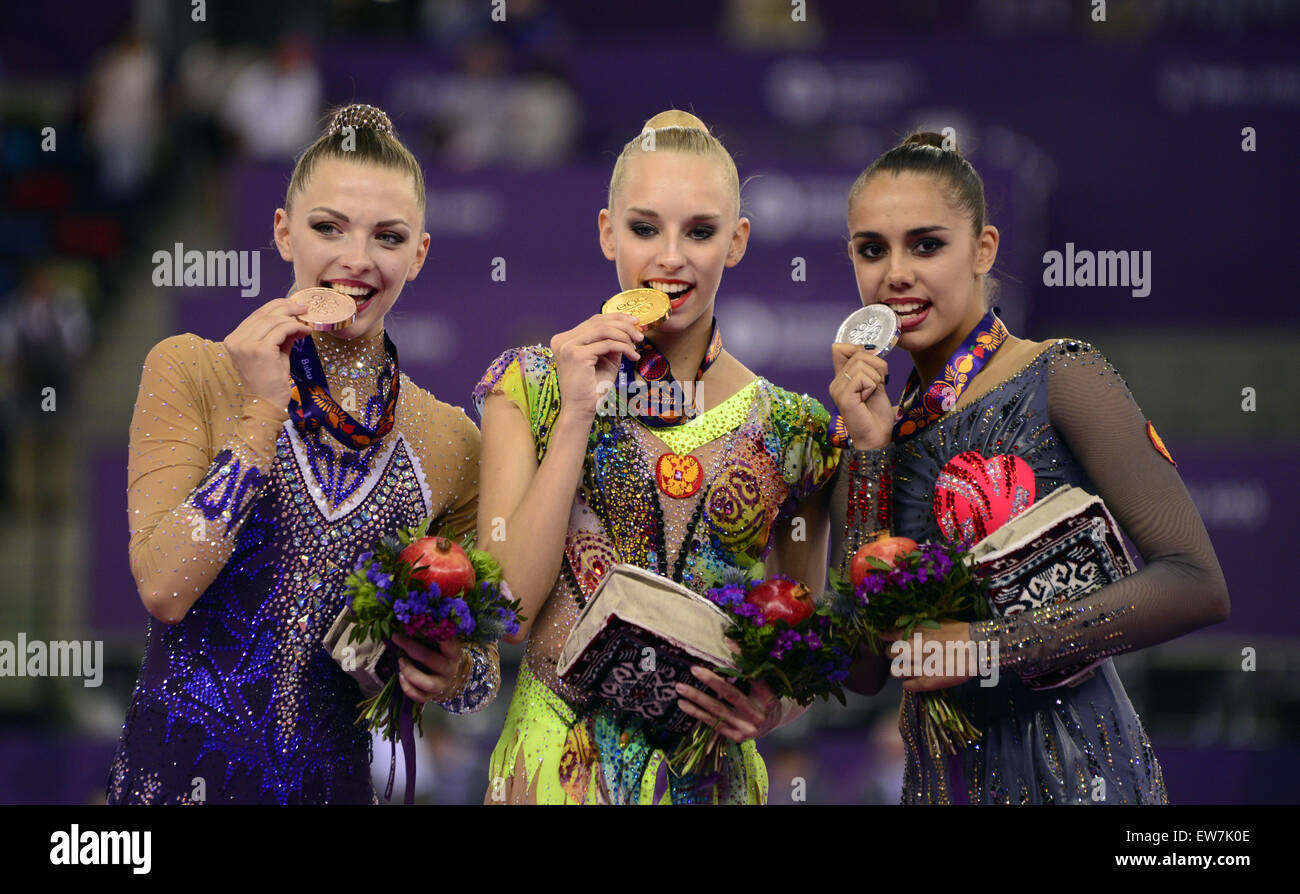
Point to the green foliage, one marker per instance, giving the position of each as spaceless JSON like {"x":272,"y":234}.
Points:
{"x":486,"y":568}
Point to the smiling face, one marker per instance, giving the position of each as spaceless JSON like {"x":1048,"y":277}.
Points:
{"x":674,"y":227}
{"x":914,"y":250}
{"x":356,"y":228}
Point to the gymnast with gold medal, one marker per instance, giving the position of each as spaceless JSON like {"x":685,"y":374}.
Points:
{"x":706,"y":469}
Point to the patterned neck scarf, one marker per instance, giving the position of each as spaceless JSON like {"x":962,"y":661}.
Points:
{"x":658,"y":399}
{"x":965,"y":363}
{"x":320,"y":410}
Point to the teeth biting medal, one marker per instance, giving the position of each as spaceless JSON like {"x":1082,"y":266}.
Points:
{"x":874,"y":327}
{"x":327,"y":310}
{"x":649,"y":306}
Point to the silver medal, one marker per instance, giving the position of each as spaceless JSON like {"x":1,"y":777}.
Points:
{"x":874,"y":327}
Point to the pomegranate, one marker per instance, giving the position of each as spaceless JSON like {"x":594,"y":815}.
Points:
{"x":782,"y":600}
{"x":437,"y":560}
{"x":885,"y":548}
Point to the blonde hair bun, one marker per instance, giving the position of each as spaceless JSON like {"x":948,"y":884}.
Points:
{"x":676,"y":131}
{"x":674,"y":118}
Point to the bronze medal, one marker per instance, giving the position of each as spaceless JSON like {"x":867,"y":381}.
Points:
{"x":327,"y":310}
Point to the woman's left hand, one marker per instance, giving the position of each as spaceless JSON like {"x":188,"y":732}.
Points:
{"x":742,"y":716}
{"x":917,"y":680}
{"x":437,"y":680}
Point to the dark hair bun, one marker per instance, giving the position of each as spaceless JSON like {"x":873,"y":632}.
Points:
{"x":932,"y":139}
{"x":359,"y":116}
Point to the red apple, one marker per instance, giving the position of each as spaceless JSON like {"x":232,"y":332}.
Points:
{"x":444,"y":563}
{"x":783,"y":600}
{"x":885,"y":548}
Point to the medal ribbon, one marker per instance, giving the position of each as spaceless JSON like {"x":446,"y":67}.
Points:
{"x":964,"y":364}
{"x":320,"y":410}
{"x":653,"y":368}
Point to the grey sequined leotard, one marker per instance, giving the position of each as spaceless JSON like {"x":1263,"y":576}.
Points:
{"x":1071,"y":418}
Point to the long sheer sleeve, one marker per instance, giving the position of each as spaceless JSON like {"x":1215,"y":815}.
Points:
{"x":1180,"y":589}
{"x":860,"y":508}
{"x":447,"y":443}
{"x":187,"y":497}
{"x":860,"y":503}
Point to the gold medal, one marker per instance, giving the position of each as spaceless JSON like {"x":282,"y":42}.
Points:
{"x":649,"y":306}
{"x":327,"y":310}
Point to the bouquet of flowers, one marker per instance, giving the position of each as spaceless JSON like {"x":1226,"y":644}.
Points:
{"x":782,"y":639}
{"x":896,"y":584}
{"x":431,"y":589}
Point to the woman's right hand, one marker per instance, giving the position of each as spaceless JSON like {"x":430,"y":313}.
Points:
{"x":260,"y":345}
{"x":858,"y":390}
{"x":587,"y":359}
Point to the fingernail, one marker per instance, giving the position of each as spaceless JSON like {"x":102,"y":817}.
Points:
{"x":698,"y":672}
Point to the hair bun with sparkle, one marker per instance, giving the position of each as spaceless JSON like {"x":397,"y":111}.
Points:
{"x":371,"y":139}
{"x":359,"y":115}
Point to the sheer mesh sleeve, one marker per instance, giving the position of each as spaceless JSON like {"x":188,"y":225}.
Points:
{"x":461,"y":515}
{"x":860,"y":507}
{"x":187,"y":498}
{"x":461,"y":512}
{"x":860,"y":503}
{"x":1182,"y":586}
{"x":448,"y":446}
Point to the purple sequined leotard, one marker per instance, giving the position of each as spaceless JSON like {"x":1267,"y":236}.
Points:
{"x":238,"y":701}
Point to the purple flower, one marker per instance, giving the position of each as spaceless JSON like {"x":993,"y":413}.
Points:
{"x":377,"y":577}
{"x":812,"y":641}
{"x":903,"y":579}
{"x":510,"y":620}
{"x":872,"y":584}
{"x":405,"y":608}
{"x":751,"y":612}
{"x":728,"y":596}
{"x":942,"y":565}
{"x":464,"y":617}
{"x":785,"y":641}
